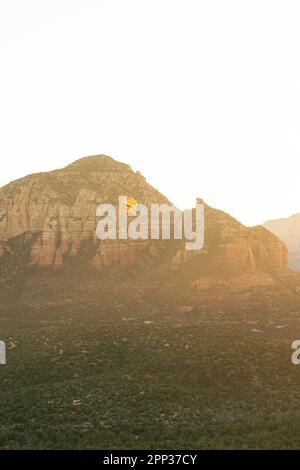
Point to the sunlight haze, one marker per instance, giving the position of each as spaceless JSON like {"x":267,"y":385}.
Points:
{"x":202,"y":97}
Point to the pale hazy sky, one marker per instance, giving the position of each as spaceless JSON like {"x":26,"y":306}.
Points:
{"x":201,"y":96}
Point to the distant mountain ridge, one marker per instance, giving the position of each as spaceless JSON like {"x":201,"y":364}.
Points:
{"x":288,"y":230}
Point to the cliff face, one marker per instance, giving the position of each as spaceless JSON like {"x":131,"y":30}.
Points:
{"x":288,"y":230}
{"x":58,"y":209}
{"x":49,"y":219}
{"x":232,"y":248}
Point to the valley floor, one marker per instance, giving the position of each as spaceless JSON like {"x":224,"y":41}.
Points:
{"x":94,"y":372}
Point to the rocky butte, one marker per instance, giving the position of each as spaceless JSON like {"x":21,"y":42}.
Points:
{"x":48,"y":220}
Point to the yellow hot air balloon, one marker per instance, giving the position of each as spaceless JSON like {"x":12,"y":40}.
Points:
{"x":130,"y":205}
